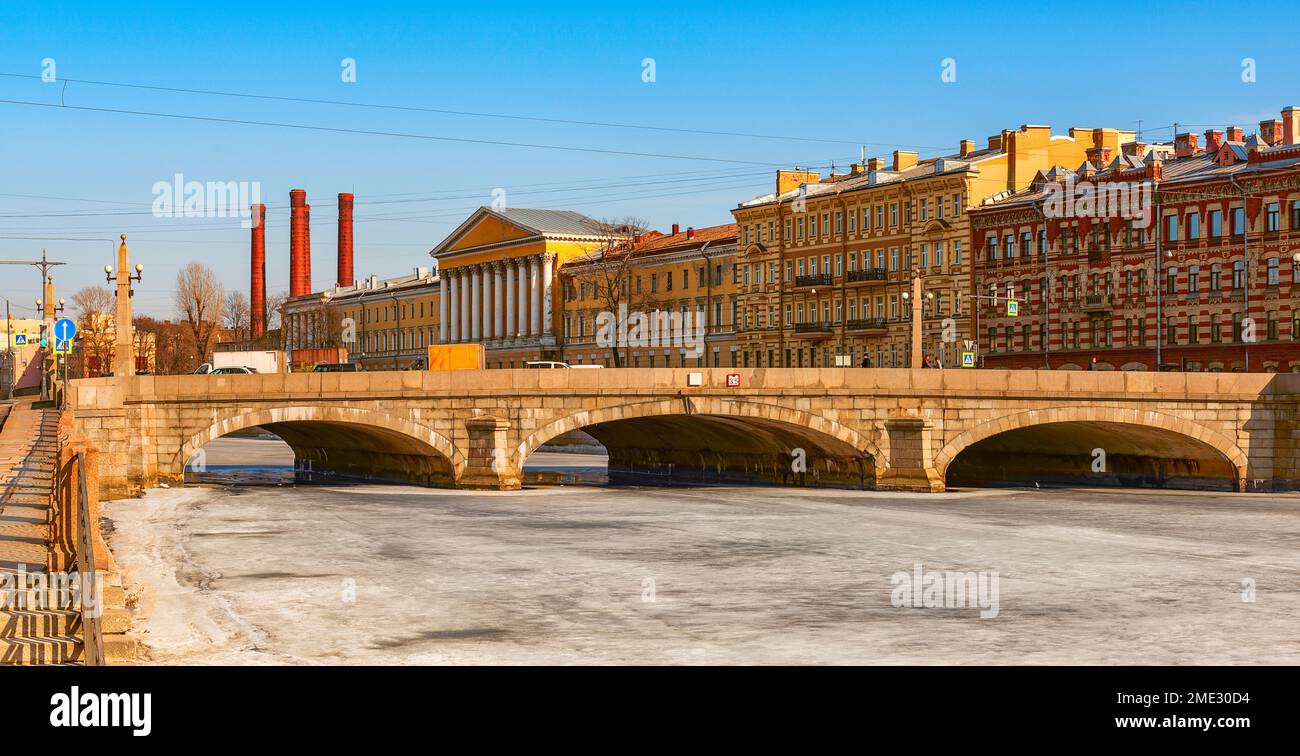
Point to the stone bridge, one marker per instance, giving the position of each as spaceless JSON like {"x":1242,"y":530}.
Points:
{"x":868,"y":428}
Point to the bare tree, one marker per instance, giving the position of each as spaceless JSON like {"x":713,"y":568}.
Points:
{"x":94,"y":311}
{"x":608,"y":274}
{"x":237,"y":313}
{"x":200,"y":299}
{"x":275,"y":309}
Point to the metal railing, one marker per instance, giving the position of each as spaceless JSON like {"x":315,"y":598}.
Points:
{"x":818,"y":279}
{"x":92,"y":630}
{"x":870,"y":274}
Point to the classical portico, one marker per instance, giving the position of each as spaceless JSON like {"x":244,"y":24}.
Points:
{"x":498,"y":271}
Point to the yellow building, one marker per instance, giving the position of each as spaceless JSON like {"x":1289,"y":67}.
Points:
{"x":385,"y":324}
{"x":680,"y":288}
{"x":497,"y":276}
{"x":827,"y":264}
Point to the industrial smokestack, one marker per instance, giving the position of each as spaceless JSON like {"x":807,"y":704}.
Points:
{"x":257,"y":282}
{"x":345,"y":240}
{"x":299,"y":259}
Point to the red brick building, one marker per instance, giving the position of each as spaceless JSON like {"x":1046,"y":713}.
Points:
{"x":1078,"y":250}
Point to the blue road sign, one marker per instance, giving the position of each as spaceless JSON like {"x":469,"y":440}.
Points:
{"x":1013,"y":308}
{"x":65,"y":330}
{"x":20,"y":339}
{"x":968,"y":359}
{"x":62,"y":347}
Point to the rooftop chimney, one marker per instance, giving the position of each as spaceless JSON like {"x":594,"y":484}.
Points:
{"x":856,"y":169}
{"x":1098,"y":157}
{"x":904,"y":159}
{"x":1290,"y":125}
{"x":1136,"y":149}
{"x":299,"y":260}
{"x":257,"y":281}
{"x":1271,"y":131}
{"x":876,"y":164}
{"x":1213,"y":140}
{"x":1185,"y":145}
{"x":345,"y":240}
{"x":967,"y":147}
{"x":995,"y":142}
{"x":690,"y":232}
{"x":1235,"y":134}
{"x":676,"y":229}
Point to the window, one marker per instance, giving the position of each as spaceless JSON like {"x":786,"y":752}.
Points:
{"x":799,"y":229}
{"x":1295,"y":215}
{"x":893,"y":258}
{"x":1171,"y":276}
{"x":956,"y":252}
{"x":1238,"y":221}
{"x":1194,"y":280}
{"x":1026,"y":243}
{"x":1271,"y":217}
{"x":1010,"y":249}
{"x":839,"y":222}
{"x":1274,"y":271}
{"x":993,"y":247}
{"x":1171,"y":228}
{"x":1216,"y":224}
{"x":1216,"y":279}
{"x":893,"y":214}
{"x":1193,"y":226}
{"x":1238,"y":274}
{"x":938,"y":254}
{"x":925,"y":255}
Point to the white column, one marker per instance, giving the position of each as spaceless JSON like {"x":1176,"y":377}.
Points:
{"x":511,"y":330}
{"x":535,"y":297}
{"x":523,"y":296}
{"x":548,"y":266}
{"x":443,"y":308}
{"x":464,"y":304}
{"x":455,"y":304}
{"x":498,"y":303}
{"x":475,"y":305}
{"x":487,"y":301}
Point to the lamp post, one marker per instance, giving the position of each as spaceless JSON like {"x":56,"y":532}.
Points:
{"x":915,"y":299}
{"x":124,"y":331}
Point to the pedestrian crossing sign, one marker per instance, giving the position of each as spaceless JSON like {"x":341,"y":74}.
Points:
{"x":20,"y":339}
{"x":1013,"y":307}
{"x":968,"y":359}
{"x":62,"y":346}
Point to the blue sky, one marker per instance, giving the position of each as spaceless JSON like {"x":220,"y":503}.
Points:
{"x":847,"y":73}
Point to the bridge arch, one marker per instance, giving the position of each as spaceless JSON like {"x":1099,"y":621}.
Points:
{"x":1130,"y":433}
{"x":325,"y":437}
{"x":756,"y":439}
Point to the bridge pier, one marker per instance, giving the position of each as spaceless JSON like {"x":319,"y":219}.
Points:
{"x":487,"y":465}
{"x":911,"y":467}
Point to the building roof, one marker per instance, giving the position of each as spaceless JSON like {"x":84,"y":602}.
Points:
{"x":656,"y":243}
{"x":948,"y":164}
{"x":542,"y":221}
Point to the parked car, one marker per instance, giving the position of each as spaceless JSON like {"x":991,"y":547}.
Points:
{"x":336,"y":367}
{"x":545,"y":364}
{"x":233,"y":370}
{"x":203,"y":369}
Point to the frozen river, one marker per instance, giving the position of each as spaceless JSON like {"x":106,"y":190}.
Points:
{"x":571,"y":575}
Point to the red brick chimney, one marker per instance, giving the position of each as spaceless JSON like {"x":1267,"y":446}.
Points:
{"x":1213,"y":140}
{"x":345,"y":240}
{"x":1290,"y":125}
{"x":298,"y":260}
{"x":1185,"y":145}
{"x":1098,"y":156}
{"x":676,"y":229}
{"x":1271,"y":131}
{"x":257,"y":282}
{"x":1235,"y":134}
{"x":690,"y":232}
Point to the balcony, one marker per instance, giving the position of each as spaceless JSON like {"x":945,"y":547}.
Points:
{"x":815,"y":330}
{"x":867,"y":325}
{"x":870,"y":274}
{"x":821,"y":279}
{"x":1096,"y":303}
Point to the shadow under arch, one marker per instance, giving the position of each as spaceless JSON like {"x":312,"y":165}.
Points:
{"x":1096,"y":446}
{"x":347,"y":442}
{"x":717,"y":440}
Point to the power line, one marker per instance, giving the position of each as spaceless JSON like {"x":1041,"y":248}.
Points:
{"x":468,"y":113}
{"x":394,"y":134}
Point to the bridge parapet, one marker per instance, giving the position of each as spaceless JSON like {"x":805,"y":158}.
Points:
{"x":903,"y":427}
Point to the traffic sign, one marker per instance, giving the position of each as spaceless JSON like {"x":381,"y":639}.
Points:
{"x":733,"y":380}
{"x":20,"y":339}
{"x":62,"y":346}
{"x":65,"y":330}
{"x":1013,"y":307}
{"x":968,"y":359}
